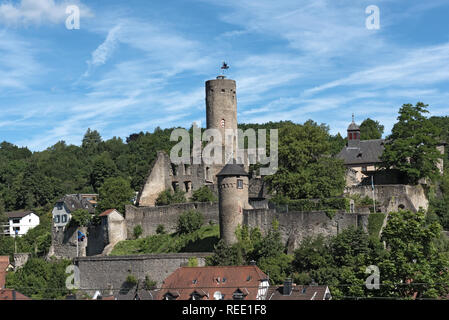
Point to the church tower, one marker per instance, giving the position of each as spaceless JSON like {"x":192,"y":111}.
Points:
{"x":353,"y":134}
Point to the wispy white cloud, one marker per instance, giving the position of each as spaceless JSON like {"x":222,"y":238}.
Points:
{"x":36,"y":12}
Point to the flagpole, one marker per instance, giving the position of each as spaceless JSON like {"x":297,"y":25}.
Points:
{"x":374,"y":197}
{"x":77,"y":240}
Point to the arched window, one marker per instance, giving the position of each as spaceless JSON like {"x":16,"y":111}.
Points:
{"x":223,"y":122}
{"x":350,"y":135}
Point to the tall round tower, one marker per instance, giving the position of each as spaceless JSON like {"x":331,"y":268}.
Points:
{"x":221,"y":104}
{"x":233,"y":186}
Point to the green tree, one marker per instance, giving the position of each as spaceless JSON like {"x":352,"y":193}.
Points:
{"x":371,"y":129}
{"x":189,"y":222}
{"x":413,"y":264}
{"x":81,"y":218}
{"x":306,"y":168}
{"x":103,"y":168}
{"x":91,"y":141}
{"x":168,"y":197}
{"x":115,"y":193}
{"x":203,"y":194}
{"x":40,"y":279}
{"x":137,"y":231}
{"x":411,"y":147}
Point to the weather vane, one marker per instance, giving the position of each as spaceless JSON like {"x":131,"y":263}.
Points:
{"x":224,"y":67}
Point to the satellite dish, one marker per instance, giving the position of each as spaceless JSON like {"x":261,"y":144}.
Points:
{"x":218,"y":295}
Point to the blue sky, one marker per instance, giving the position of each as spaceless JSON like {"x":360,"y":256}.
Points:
{"x":135,"y":65}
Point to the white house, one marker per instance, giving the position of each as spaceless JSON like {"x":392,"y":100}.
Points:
{"x":20,"y":222}
{"x":64,"y":207}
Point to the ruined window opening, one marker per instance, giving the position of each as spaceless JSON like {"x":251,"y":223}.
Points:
{"x":175,"y":185}
{"x":187,"y":170}
{"x":174,"y":169}
{"x":188,"y":185}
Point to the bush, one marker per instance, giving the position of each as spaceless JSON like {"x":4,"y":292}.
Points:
{"x":313,"y":204}
{"x":131,"y":280}
{"x":203,"y":194}
{"x":81,"y":218}
{"x":193,"y":262}
{"x":189,"y":221}
{"x":138,"y":231}
{"x":149,"y":283}
{"x":160,"y":229}
{"x":168,"y":197}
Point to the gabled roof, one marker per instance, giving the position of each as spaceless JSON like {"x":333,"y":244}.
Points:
{"x":209,"y":280}
{"x":77,"y":201}
{"x":299,"y":292}
{"x":18,"y":214}
{"x":368,"y":151}
{"x":107,"y":212}
{"x":232,"y":169}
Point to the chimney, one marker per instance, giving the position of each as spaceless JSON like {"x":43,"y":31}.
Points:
{"x":252,"y":263}
{"x":288,"y":287}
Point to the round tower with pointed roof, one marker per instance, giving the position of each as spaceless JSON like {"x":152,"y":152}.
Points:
{"x":233,"y":183}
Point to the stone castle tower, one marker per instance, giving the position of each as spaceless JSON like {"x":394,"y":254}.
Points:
{"x":233,"y":183}
{"x":221,"y":104}
{"x":221,"y":111}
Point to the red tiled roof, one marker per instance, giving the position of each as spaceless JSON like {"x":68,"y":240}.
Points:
{"x":9,"y":294}
{"x":107,"y":212}
{"x":4,"y":263}
{"x":206,"y":281}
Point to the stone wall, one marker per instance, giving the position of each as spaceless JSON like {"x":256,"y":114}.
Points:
{"x":64,"y":240}
{"x":295,"y":226}
{"x":150,"y":217}
{"x":105,"y":273}
{"x":391,"y":197}
{"x":20,"y":259}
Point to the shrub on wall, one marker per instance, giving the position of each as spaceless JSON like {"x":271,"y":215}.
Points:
{"x":189,"y":221}
{"x":168,"y":197}
{"x":138,"y":231}
{"x":160,"y":229}
{"x":203,"y":194}
{"x":313,"y":204}
{"x":131,"y":280}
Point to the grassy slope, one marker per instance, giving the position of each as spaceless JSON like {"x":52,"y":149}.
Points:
{"x":202,"y":240}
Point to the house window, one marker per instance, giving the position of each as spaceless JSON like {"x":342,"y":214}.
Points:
{"x":195,"y":296}
{"x":238,"y":295}
{"x":16,"y":229}
{"x":64,"y":218}
{"x":15,"y":220}
{"x":57,"y":219}
{"x":239,"y":184}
